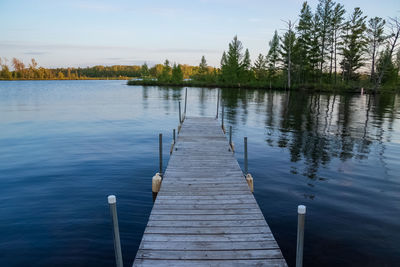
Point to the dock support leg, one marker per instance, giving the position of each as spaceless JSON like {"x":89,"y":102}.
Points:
{"x":301,"y":211}
{"x":160,"y":152}
{"x":217,"y":104}
{"x":112,"y":201}
{"x":245,"y":156}
{"x":180,"y":117}
{"x":173,"y":142}
{"x":222,"y":118}
{"x":230,"y":139}
{"x":184,"y":116}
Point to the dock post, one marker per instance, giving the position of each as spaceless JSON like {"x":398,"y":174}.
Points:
{"x":112,"y":201}
{"x":245,"y":156}
{"x":217,"y":104}
{"x":160,"y":152}
{"x":173,"y":141}
{"x":230,"y":136}
{"x":222,"y":118}
{"x":180,"y":118}
{"x":301,"y":211}
{"x":185,"y":103}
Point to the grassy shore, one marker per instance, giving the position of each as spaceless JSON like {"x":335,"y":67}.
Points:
{"x":354,"y":87}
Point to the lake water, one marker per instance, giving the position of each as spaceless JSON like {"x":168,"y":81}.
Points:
{"x":66,"y":145}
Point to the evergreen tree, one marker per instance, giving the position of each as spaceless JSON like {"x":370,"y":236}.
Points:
{"x":203,"y":66}
{"x":165,"y":76}
{"x":392,"y":44}
{"x":177,"y":74}
{"x":376,"y":37}
{"x":324,"y":16}
{"x":315,"y":48}
{"x":144,"y":71}
{"x":386,"y":67}
{"x":232,"y":64}
{"x":337,"y":29}
{"x":304,"y":41}
{"x":245,"y":68}
{"x":273,"y":56}
{"x":287,"y":46}
{"x":354,"y":45}
{"x":260,"y":67}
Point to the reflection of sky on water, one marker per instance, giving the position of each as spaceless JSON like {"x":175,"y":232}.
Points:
{"x":68,"y":142}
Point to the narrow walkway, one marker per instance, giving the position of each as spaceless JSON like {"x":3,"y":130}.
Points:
{"x":205,"y":214}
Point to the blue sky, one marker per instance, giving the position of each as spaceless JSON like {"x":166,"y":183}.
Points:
{"x":86,"y":33}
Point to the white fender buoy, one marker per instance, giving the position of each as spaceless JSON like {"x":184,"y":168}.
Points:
{"x":156,"y":183}
{"x":249,"y":180}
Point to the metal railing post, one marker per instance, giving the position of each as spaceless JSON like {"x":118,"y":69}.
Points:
{"x":112,"y":201}
{"x":180,"y":118}
{"x":230,"y":136}
{"x":245,"y":156}
{"x":160,"y":151}
{"x":217,"y":103}
{"x":222,"y":116}
{"x":301,"y":211}
{"x":185,"y":101}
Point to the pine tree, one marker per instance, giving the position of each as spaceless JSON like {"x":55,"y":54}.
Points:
{"x":177,"y":74}
{"x":144,"y":70}
{"x":315,"y":48}
{"x":232,"y":64}
{"x":165,"y":76}
{"x":337,"y":29}
{"x":324,"y":17}
{"x":354,"y":45}
{"x":392,"y":44}
{"x":304,"y":42}
{"x":287,"y":47}
{"x":376,"y":37}
{"x":260,"y":67}
{"x":203,"y":66}
{"x":273,"y":56}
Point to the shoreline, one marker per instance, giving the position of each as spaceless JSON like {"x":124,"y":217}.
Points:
{"x":314,"y":88}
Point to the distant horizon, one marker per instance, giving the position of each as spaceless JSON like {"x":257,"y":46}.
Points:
{"x":89,"y":33}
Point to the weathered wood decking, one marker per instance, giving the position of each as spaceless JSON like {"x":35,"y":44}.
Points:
{"x":205,"y":214}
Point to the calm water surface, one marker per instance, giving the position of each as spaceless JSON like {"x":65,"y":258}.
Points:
{"x":66,"y":145}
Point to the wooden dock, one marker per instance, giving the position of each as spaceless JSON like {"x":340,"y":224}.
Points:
{"x":205,"y":214}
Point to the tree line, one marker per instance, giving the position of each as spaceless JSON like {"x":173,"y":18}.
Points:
{"x":33,"y":72}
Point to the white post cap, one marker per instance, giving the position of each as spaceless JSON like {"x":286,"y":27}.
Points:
{"x":301,"y":209}
{"x":111,"y":199}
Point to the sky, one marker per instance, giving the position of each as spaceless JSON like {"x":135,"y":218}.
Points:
{"x":125,"y":32}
